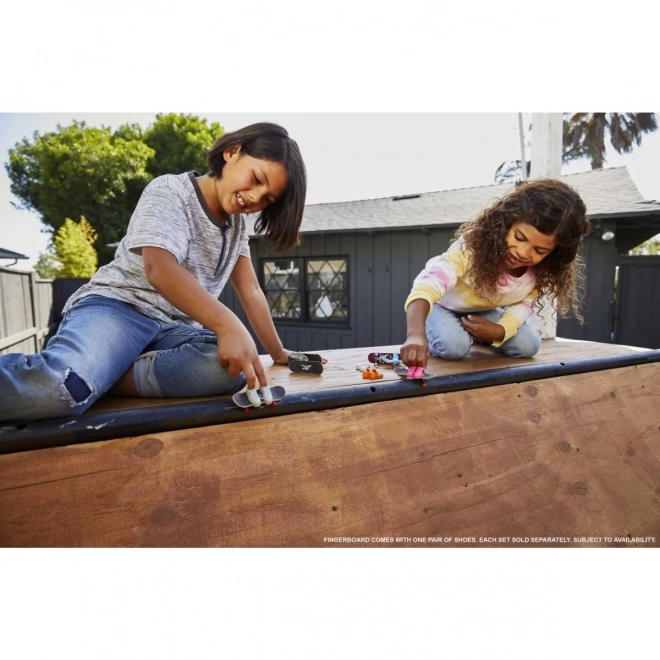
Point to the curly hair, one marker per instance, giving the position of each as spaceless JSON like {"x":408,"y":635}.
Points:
{"x":552,"y":208}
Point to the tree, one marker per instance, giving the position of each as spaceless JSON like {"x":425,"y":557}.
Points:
{"x":74,"y":248}
{"x":179,"y":143}
{"x":511,"y":170}
{"x":81,"y":170}
{"x":72,"y":253}
{"x":47,"y":266}
{"x":585,"y":132}
{"x":650,"y":247}
{"x":584,"y":137}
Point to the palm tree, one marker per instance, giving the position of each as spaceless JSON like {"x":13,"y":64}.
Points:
{"x":584,"y":133}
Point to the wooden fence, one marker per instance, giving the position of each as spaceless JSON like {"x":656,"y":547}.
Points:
{"x":25,"y":311}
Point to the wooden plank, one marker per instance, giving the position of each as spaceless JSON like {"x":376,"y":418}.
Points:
{"x":18,"y":338}
{"x":340,"y":370}
{"x":573,"y":457}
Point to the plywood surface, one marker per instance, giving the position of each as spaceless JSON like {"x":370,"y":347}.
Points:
{"x":576,"y":457}
{"x":340,"y":371}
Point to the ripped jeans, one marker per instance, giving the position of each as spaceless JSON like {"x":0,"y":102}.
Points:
{"x":98,"y":340}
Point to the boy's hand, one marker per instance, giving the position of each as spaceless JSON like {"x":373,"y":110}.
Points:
{"x":481,"y":329}
{"x":282,"y":357}
{"x":415,"y":350}
{"x":238,"y":352}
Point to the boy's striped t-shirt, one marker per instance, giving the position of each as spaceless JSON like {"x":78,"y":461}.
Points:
{"x":171,"y":215}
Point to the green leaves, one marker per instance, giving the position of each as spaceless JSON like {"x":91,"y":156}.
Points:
{"x":180,"y":143}
{"x":73,"y":253}
{"x":585,"y":132}
{"x":74,"y":249}
{"x":80,"y":170}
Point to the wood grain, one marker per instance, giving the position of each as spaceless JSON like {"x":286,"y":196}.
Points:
{"x":576,"y":456}
{"x":340,"y":370}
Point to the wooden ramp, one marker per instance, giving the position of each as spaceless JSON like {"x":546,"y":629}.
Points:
{"x":560,"y":451}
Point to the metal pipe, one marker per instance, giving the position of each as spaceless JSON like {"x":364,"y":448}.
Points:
{"x":521,"y":134}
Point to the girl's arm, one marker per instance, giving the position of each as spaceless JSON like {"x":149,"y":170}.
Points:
{"x":440,"y":275}
{"x":415,"y":350}
{"x":245,"y":283}
{"x":236,"y":348}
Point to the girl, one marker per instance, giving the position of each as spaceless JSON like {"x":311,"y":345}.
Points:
{"x":484,"y":287}
{"x":150,"y":323}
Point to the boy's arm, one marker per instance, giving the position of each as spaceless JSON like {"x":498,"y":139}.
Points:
{"x":245,"y":283}
{"x":236,"y":348}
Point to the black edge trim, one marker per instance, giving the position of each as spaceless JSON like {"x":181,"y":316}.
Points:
{"x":157,"y":419}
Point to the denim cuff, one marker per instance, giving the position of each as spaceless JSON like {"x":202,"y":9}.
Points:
{"x":144,"y":376}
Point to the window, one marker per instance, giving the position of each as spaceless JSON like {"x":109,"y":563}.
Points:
{"x":310,"y":290}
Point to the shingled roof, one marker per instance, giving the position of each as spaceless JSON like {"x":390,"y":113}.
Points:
{"x":607,"y":193}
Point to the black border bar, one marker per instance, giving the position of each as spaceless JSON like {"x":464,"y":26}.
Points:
{"x":92,"y":427}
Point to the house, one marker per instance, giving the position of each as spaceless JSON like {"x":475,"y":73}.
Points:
{"x":346,"y":284}
{"x":8,"y":254}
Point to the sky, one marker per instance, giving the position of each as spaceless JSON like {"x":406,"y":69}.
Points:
{"x":348,"y":156}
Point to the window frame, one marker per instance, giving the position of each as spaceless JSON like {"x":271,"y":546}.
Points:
{"x":304,"y":293}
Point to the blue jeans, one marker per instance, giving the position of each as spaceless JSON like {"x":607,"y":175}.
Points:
{"x":448,"y":339}
{"x":98,"y":340}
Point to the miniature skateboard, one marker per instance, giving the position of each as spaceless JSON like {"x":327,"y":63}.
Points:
{"x":306,"y":363}
{"x":246,"y":401}
{"x":413,"y":373}
{"x":390,"y":359}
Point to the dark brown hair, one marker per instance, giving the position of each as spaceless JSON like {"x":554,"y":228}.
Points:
{"x":552,"y":208}
{"x":281,"y":220}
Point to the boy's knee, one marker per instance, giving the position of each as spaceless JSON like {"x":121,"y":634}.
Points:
{"x":75,"y":388}
{"x":37,"y":399}
{"x":190,"y":370}
{"x":76,"y":395}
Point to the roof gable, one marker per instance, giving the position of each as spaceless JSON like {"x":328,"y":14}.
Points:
{"x":607,"y":192}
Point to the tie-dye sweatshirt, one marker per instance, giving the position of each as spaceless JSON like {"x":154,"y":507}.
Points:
{"x":446,"y":280}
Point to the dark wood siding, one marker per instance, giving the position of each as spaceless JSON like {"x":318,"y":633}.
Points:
{"x":382,"y":266}
{"x":601,"y":259}
{"x":638,"y":302}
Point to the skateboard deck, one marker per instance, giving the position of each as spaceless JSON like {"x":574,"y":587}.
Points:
{"x":403,"y":371}
{"x":242,"y":401}
{"x":305,"y":357}
{"x":384,"y":358}
{"x":306,"y":363}
{"x":305,"y":367}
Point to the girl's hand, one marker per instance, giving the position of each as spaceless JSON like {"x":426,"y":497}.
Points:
{"x":415,"y":350}
{"x":481,"y":329}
